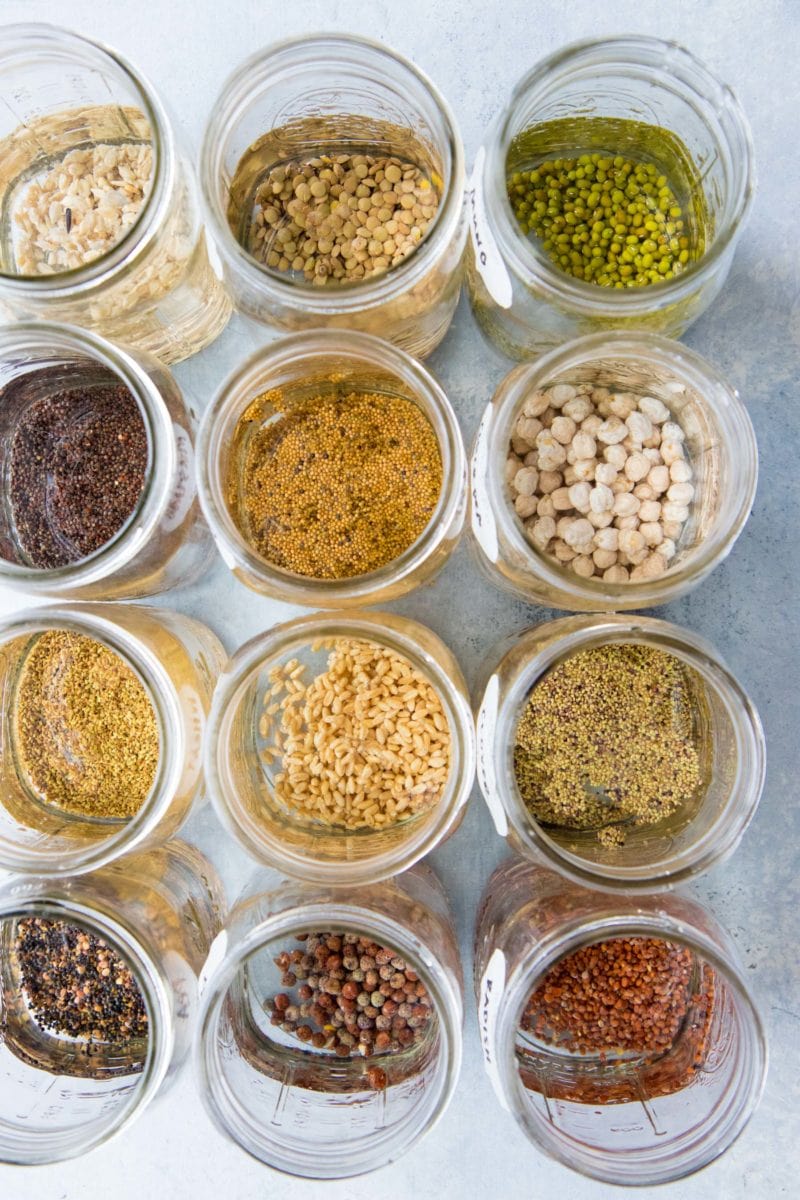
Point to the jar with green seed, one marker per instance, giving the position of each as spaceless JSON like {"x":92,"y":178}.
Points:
{"x":584,"y":217}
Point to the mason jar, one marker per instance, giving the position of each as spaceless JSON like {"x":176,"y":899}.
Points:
{"x":177,"y":660}
{"x":720,"y":447}
{"x":329,"y":364}
{"x":64,"y":1093}
{"x":339,"y":94}
{"x":307,"y":1111}
{"x":244,"y":760}
{"x":630,"y":1119}
{"x":158,"y":287}
{"x":726,"y":732}
{"x":522,"y":301}
{"x":164,"y":543}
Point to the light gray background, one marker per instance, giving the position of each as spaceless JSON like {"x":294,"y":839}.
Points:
{"x":475,"y":52}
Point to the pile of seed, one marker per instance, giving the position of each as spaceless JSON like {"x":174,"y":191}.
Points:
{"x":334,"y":486}
{"x":600,"y":481}
{"x":624,"y":995}
{"x":76,"y":985}
{"x":364,"y":744}
{"x":341,"y":217}
{"x":81,"y":207}
{"x":353,"y":997}
{"x":606,"y":740}
{"x":610,"y":221}
{"x":76,"y":469}
{"x":85,"y":728}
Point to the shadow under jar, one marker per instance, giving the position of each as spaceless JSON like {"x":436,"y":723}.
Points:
{"x":103,"y":712}
{"x":638,"y":99}
{"x":336,"y":97}
{"x":707,"y":727}
{"x":100,"y":221}
{"x":88,"y":430}
{"x":693,"y":406}
{"x":365,"y":1095}
{"x":657,"y":1093}
{"x":130,"y":939}
{"x":341,"y":748}
{"x":279,"y":388}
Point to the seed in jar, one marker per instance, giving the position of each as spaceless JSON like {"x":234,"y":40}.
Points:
{"x":606,"y":739}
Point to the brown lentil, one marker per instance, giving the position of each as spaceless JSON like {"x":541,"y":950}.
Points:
{"x":606,"y":740}
{"x":85,"y":728}
{"x":336,"y":486}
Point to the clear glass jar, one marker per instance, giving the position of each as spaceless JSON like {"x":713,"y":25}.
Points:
{"x":523,"y":302}
{"x":177,"y":660}
{"x":305,"y":1111}
{"x":727,"y":732}
{"x":334,"y":93}
{"x":64,"y":1095}
{"x":165,"y":541}
{"x":242,"y":783}
{"x":721,"y":449}
{"x":157,"y":288}
{"x":331,"y":363}
{"x":625,"y":1122}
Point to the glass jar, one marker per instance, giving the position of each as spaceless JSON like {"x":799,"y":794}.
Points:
{"x":157,"y":288}
{"x":164,"y":542}
{"x":242,"y":772}
{"x":177,"y":660}
{"x":306,"y":1111}
{"x":720,"y":447}
{"x":625,"y":1120}
{"x":65,"y":1094}
{"x":726,"y":732}
{"x":522,"y":301}
{"x":338,"y":94}
{"x":329,"y":364}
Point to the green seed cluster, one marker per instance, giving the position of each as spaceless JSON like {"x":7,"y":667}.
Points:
{"x":609,"y":221}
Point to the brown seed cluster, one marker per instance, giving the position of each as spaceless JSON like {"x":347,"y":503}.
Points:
{"x":621,"y":996}
{"x":365,"y":744}
{"x":85,"y":728}
{"x":606,"y":740}
{"x":76,"y":984}
{"x":353,"y":997}
{"x":335,"y":486}
{"x":340,"y":218}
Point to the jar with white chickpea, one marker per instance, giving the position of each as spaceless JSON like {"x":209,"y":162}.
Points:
{"x":613,"y":473}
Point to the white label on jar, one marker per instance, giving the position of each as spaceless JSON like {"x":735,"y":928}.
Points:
{"x":487,"y":720}
{"x":490,"y":995}
{"x":183,"y":492}
{"x":484,"y":529}
{"x":492,"y":269}
{"x":216,"y":954}
{"x":214,"y":260}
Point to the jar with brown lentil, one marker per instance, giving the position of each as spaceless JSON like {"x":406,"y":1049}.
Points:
{"x":341,"y":748}
{"x":332,"y":1002}
{"x":630,"y":1017}
{"x":332,"y":471}
{"x":346,"y":207}
{"x":103,"y":722}
{"x":98,"y":991}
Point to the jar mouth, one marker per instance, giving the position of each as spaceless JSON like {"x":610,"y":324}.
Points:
{"x":269,"y":368}
{"x":300,"y":846}
{"x":277,"y":63}
{"x":90,"y":850}
{"x":37,"y":38}
{"x":719,"y":404}
{"x":379,"y":1144}
{"x":646,"y":54}
{"x":71,"y":1141}
{"x":666,"y":866}
{"x":30,"y":338}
